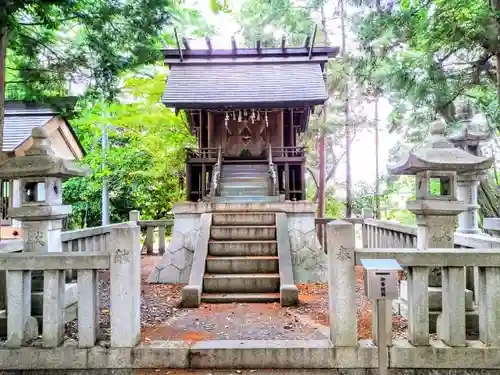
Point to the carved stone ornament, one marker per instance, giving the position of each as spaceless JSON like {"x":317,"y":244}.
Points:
{"x":39,"y":161}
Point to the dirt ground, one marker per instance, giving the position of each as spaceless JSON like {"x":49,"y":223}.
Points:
{"x":235,"y":372}
{"x":163,"y":318}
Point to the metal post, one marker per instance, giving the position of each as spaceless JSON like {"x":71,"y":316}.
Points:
{"x":383,"y":354}
{"x":105,"y":186}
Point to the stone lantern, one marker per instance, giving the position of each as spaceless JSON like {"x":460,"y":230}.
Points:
{"x":469,"y":140}
{"x":438,"y":160}
{"x":41,"y":211}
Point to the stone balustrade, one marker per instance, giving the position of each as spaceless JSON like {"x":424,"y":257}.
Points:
{"x":451,"y":323}
{"x":121,"y":258}
{"x":152,"y":226}
{"x":386,"y":233}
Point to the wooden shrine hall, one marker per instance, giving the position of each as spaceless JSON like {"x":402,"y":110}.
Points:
{"x":247,"y":108}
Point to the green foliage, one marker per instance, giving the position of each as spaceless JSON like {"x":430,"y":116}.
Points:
{"x":219,"y":6}
{"x":53,"y":42}
{"x":145,"y":158}
{"x":269,"y":20}
{"x":428,"y":58}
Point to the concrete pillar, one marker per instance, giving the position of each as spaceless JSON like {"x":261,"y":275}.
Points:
{"x":15,"y":191}
{"x":134,"y":215}
{"x":88,"y":308}
{"x":489,"y":306}
{"x":21,"y":326}
{"x":342,"y":283}
{"x":451,"y":322}
{"x":467,"y":192}
{"x":53,"y":308}
{"x":125,"y":277}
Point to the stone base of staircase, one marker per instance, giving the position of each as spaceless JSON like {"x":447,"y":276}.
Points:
{"x":309,"y":262}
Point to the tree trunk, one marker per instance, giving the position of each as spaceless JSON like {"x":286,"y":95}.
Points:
{"x":4,"y":39}
{"x":377,"y":172}
{"x":347,"y":127}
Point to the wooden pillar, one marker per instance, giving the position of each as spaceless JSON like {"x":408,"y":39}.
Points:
{"x":200,"y":133}
{"x":287,"y":181}
{"x":303,"y":180}
{"x":203,"y":180}
{"x":189,"y":181}
{"x":291,"y":130}
{"x":282,"y":130}
{"x":210,"y":121}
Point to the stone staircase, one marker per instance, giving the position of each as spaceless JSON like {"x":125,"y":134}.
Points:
{"x":242,"y":261}
{"x":243,"y":183}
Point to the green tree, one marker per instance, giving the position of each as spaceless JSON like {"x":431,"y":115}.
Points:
{"x":146,"y":155}
{"x":435,"y":58}
{"x":270,"y":20}
{"x":46,"y":44}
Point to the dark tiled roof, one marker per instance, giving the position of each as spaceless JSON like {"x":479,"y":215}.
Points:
{"x":20,"y":121}
{"x":245,"y":85}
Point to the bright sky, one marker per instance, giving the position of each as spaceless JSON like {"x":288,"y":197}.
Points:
{"x":363,"y":149}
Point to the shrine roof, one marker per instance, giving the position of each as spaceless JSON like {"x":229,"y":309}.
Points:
{"x":22,"y":117}
{"x":246,"y":77}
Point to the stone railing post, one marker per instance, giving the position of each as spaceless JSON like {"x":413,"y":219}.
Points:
{"x":467,"y":192}
{"x":134,"y":216}
{"x":125,"y":280}
{"x":367,"y":214}
{"x":342,"y":283}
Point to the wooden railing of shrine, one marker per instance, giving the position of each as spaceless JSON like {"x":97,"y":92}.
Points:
{"x":203,"y":154}
{"x":288,"y":152}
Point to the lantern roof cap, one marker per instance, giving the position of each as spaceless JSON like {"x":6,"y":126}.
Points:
{"x":472,"y":131}
{"x":40,"y":161}
{"x":439,"y":154}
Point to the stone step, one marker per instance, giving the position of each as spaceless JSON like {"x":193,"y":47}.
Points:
{"x":240,"y":297}
{"x":239,"y":264}
{"x":247,"y":199}
{"x":237,"y":218}
{"x":243,"y":179}
{"x":239,"y":167}
{"x":245,"y":171}
{"x":242,"y":248}
{"x":259,"y":186}
{"x":238,"y":192}
{"x":241,"y":283}
{"x":253,"y":176}
{"x":247,"y":232}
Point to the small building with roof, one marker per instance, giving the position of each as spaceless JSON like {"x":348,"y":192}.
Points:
{"x":20,"y":119}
